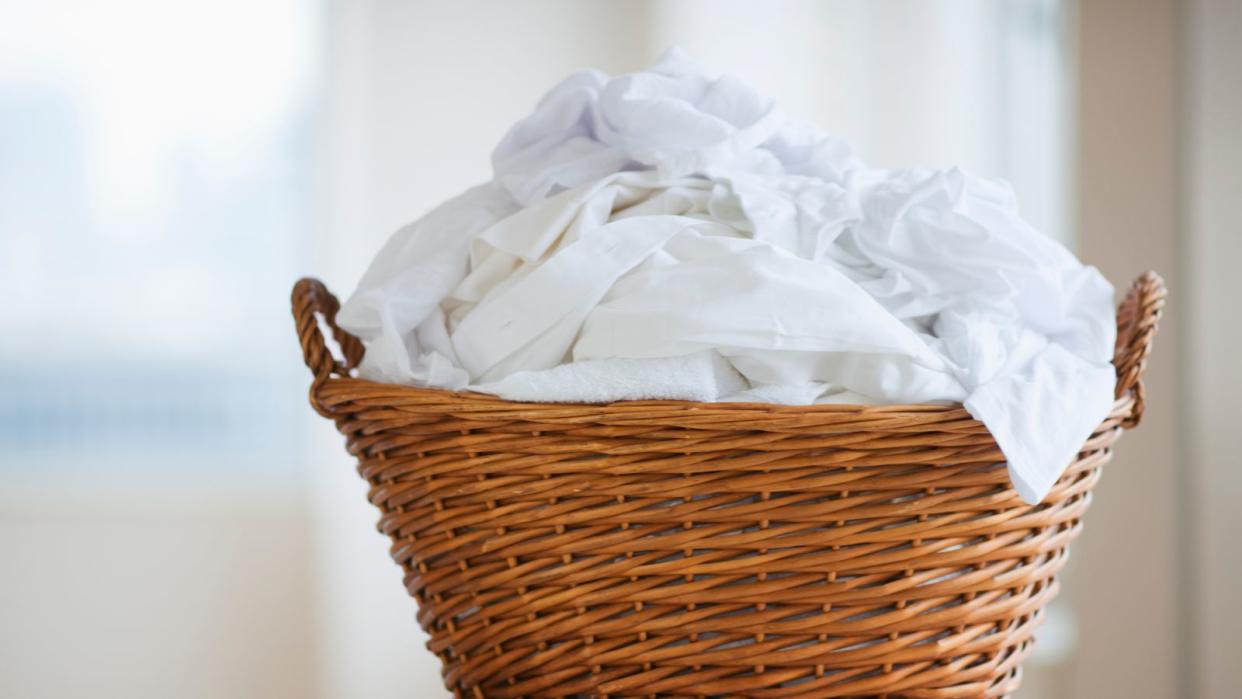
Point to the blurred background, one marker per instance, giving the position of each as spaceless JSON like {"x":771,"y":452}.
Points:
{"x":176,"y":522}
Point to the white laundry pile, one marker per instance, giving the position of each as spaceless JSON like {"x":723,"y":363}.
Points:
{"x":669,"y":234}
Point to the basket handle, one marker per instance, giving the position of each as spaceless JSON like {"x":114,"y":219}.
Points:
{"x":1137,"y":323}
{"x":311,"y":300}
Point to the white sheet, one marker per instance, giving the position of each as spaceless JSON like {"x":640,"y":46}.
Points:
{"x":669,"y":234}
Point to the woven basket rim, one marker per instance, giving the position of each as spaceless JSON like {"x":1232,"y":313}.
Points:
{"x":492,"y":401}
{"x":474,"y":400}
{"x":350,"y":393}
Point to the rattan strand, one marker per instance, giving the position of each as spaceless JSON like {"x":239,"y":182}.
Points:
{"x":672,"y":549}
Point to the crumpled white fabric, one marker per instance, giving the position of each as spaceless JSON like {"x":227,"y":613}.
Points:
{"x":669,"y":234}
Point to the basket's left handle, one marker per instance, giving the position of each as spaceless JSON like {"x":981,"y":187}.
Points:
{"x":312,"y":300}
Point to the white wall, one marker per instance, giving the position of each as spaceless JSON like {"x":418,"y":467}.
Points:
{"x":153,"y":531}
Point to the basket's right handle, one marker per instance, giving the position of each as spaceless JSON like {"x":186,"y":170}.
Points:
{"x":311,"y":300}
{"x":1137,"y":319}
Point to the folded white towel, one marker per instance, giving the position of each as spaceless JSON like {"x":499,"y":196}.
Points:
{"x":704,"y":377}
{"x":672,"y":235}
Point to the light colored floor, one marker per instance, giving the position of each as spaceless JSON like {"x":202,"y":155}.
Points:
{"x":147,"y":599}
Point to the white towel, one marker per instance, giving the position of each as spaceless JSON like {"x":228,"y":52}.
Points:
{"x":669,"y":234}
{"x":703,"y":376}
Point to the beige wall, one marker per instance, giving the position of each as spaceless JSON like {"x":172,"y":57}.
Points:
{"x":1124,"y":576}
{"x":1160,"y":180}
{"x":1212,"y":190}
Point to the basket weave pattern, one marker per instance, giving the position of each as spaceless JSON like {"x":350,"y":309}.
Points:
{"x":664,"y":548}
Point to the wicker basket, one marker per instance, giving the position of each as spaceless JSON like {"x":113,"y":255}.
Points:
{"x":663,"y":548}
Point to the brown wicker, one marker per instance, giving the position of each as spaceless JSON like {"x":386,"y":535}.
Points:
{"x":663,"y":548}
